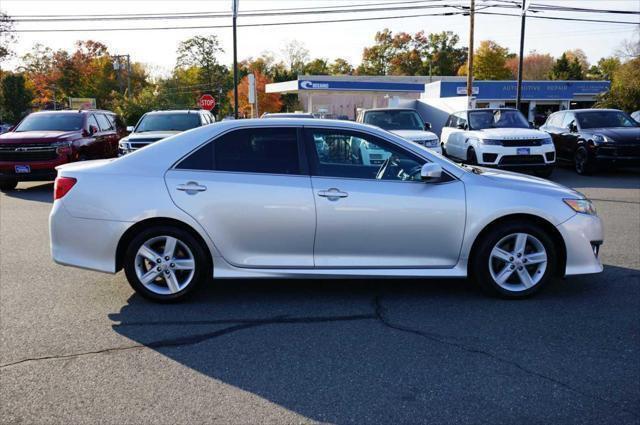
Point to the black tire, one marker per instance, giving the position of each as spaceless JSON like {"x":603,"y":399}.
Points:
{"x":202,"y":268}
{"x":545,"y":174}
{"x":479,"y":269}
{"x":472,"y":158}
{"x":582,"y":163}
{"x":7,"y":185}
{"x":444,"y":151}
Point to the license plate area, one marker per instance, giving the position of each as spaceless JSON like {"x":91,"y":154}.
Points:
{"x":22,"y":169}
{"x":523,"y":151}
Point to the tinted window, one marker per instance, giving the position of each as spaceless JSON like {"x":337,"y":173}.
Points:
{"x":605,"y":119}
{"x":394,"y":120}
{"x":51,"y":122}
{"x":347,"y":154}
{"x":258,"y":150}
{"x":461,"y":119}
{"x":201,"y":159}
{"x":568,"y":119}
{"x":168,"y":122}
{"x":103,"y":122}
{"x":497,"y":118}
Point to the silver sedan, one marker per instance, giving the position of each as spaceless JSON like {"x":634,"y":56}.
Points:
{"x":302,"y":198}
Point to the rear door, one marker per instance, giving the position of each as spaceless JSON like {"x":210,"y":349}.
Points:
{"x":252,"y":194}
{"x":108,"y":136}
{"x":380,"y":215}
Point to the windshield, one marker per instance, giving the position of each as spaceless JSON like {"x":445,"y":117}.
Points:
{"x":51,"y":122}
{"x":394,"y":120}
{"x":168,"y":122}
{"x":605,"y":119}
{"x":497,"y":118}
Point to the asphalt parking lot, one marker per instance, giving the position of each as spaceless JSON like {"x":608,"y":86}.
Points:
{"x":80,"y":347}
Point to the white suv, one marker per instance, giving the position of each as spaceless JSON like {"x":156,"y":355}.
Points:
{"x":406,"y":123}
{"x":498,"y":138}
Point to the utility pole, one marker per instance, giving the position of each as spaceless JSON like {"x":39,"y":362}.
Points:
{"x":234,"y":6}
{"x":128,"y":77}
{"x":472,"y":10}
{"x":117,"y":66}
{"x":521,"y":58}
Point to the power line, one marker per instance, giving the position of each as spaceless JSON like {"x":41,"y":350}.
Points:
{"x":558,"y":18}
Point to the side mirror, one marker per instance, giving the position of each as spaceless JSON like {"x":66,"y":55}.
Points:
{"x":93,"y":129}
{"x":431,"y":172}
{"x":130,"y":128}
{"x":573,"y":128}
{"x":531,"y":124}
{"x":460,"y":126}
{"x":427,"y":126}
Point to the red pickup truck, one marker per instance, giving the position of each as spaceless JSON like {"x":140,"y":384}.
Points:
{"x":44,"y":140}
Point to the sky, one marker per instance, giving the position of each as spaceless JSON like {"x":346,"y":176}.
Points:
{"x":157,"y":48}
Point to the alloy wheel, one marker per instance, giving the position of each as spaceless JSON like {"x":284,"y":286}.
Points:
{"x":165,"y":265}
{"x":518,"y":262}
{"x":580,"y":161}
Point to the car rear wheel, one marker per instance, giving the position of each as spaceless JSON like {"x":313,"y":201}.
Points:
{"x":7,"y":185}
{"x":582,"y":164}
{"x":514,"y":260}
{"x":165,"y":263}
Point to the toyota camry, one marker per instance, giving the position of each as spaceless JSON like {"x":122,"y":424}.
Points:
{"x":296,"y":198}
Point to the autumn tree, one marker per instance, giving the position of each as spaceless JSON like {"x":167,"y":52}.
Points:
{"x":535,"y":66}
{"x":625,"y":88}
{"x":296,"y":56}
{"x":580,"y":56}
{"x":340,"y":66}
{"x":267,"y":102}
{"x":604,"y":69}
{"x":7,"y":36}
{"x":490,"y":62}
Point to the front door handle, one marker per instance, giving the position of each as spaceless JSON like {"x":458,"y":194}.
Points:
{"x":333,"y":194}
{"x":191,"y":188}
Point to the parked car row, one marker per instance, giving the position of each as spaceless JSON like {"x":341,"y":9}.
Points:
{"x":44,"y":140}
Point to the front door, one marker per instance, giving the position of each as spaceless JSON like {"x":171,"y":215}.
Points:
{"x":252,"y":194}
{"x":378,"y":213}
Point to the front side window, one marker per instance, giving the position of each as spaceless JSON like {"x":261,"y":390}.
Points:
{"x":394,"y":120}
{"x":103,"y":122}
{"x":48,"y":121}
{"x":568,"y":120}
{"x":168,"y":122}
{"x":338,"y":153}
{"x":497,"y":118}
{"x":605,"y":119}
{"x":258,"y":150}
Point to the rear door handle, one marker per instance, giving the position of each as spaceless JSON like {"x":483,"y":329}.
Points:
{"x":191,"y":187}
{"x":333,"y":194}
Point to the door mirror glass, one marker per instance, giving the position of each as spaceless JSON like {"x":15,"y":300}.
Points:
{"x":427,"y":126}
{"x":129,"y":128}
{"x":431,"y":172}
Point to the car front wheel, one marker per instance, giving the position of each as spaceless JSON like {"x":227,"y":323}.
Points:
{"x":7,"y":185}
{"x":165,"y":263}
{"x":514,"y":260}
{"x":582,"y":164}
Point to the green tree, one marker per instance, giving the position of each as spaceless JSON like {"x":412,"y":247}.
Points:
{"x":490,"y":62}
{"x":147,"y":99}
{"x":15,"y":97}
{"x":201,"y":53}
{"x":317,"y":66}
{"x":565,"y":69}
{"x":605,"y":68}
{"x":376,"y":59}
{"x":442,"y":57}
{"x":625,"y":88}
{"x":340,"y":66}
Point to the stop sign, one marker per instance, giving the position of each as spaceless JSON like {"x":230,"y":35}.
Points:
{"x":207,"y":102}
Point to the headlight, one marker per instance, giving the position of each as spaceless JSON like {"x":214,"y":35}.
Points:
{"x":491,"y":142}
{"x":547,"y":141}
{"x":62,"y":148}
{"x":599,"y":138}
{"x":583,"y":206}
{"x":123,"y":144}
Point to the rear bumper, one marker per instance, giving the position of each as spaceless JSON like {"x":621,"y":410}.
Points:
{"x":85,"y":243}
{"x":583,"y":234}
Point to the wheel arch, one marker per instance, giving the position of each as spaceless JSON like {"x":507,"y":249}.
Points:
{"x":130,"y":233}
{"x":554,"y":233}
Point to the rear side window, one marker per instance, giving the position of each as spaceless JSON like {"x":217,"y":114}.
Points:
{"x":103,"y":122}
{"x":258,"y":150}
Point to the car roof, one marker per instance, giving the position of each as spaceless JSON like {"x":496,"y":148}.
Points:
{"x":591,"y":110}
{"x":178,"y":111}
{"x":74,"y":111}
{"x":388,"y":109}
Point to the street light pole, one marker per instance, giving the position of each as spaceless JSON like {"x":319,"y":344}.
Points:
{"x":235,"y":60}
{"x":472,"y":10}
{"x":521,"y":58}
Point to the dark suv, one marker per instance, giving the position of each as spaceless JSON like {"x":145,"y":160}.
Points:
{"x":44,"y":140}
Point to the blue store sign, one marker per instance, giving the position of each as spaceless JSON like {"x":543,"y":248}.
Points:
{"x":533,"y":90}
{"x":360,"y":86}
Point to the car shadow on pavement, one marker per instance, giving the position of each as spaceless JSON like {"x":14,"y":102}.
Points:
{"x":615,"y":178}
{"x":407,"y":351}
{"x":40,"y":193}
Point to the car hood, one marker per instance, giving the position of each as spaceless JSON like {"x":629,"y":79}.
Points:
{"x":415,"y":134}
{"x":155,"y":135}
{"x":525,"y":183}
{"x":37,"y":136}
{"x":619,"y":134}
{"x":510,"y":133}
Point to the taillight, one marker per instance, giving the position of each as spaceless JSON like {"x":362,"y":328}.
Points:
{"x":62,"y":185}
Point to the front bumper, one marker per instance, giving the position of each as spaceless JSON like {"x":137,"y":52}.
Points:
{"x":539,"y":157}
{"x":583,"y":234}
{"x":40,"y":170}
{"x":70,"y":246}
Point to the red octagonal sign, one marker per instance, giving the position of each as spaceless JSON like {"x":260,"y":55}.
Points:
{"x":207,"y":102}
